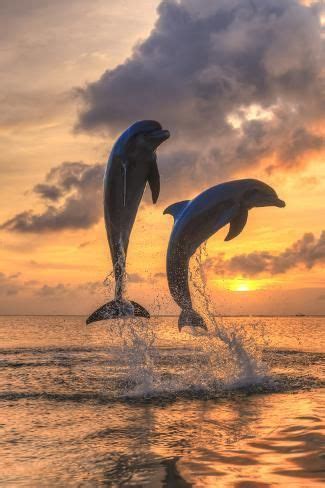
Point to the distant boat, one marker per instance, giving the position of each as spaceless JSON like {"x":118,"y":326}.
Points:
{"x":300,"y":315}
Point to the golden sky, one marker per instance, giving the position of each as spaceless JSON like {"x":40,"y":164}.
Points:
{"x":239,"y":85}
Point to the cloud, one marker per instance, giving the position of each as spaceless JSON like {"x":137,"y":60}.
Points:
{"x":66,"y":290}
{"x":76,"y":189}
{"x":237,"y":82}
{"x":50,"y":192}
{"x":160,"y":275}
{"x":9,"y":285}
{"x":135,"y":278}
{"x":58,"y":265}
{"x":49,"y":291}
{"x":82,"y":245}
{"x":308,"y":251}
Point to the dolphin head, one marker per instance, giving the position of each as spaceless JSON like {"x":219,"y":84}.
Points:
{"x":258,"y":194}
{"x":140,"y":141}
{"x":151,"y":138}
{"x":245,"y":195}
{"x":136,"y":147}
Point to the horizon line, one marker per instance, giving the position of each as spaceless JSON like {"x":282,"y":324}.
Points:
{"x":168,"y":315}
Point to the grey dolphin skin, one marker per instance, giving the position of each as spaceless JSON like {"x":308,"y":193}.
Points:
{"x":131,"y":165}
{"x":198,"y":219}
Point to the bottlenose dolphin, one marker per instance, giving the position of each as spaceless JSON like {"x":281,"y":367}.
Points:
{"x":132,"y":163}
{"x":198,"y":219}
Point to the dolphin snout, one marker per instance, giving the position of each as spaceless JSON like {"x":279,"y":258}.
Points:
{"x":280,"y":203}
{"x":160,"y":135}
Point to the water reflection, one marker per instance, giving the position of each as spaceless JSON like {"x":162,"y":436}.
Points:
{"x":64,"y":422}
{"x":199,"y":443}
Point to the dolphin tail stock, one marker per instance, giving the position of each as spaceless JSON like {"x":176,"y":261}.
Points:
{"x":118,"y":309}
{"x":191,"y":318}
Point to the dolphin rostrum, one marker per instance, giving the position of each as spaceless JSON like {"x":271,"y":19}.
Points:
{"x":198,"y":219}
{"x":131,"y":165}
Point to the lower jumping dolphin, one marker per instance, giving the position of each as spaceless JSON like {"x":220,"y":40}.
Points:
{"x":198,"y":219}
{"x":131,"y":165}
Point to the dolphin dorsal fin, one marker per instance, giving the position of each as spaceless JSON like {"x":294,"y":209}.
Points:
{"x":237,"y":224}
{"x":176,"y":209}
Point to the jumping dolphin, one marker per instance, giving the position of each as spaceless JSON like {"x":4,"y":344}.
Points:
{"x":131,"y":165}
{"x":198,"y":219}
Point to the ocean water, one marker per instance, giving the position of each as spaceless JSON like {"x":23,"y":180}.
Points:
{"x":137,"y":403}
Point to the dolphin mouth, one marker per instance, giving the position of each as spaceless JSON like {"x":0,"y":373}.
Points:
{"x":159,"y":135}
{"x":279,"y":203}
{"x":269,"y":201}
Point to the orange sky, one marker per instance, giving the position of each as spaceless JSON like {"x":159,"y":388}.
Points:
{"x":48,"y":51}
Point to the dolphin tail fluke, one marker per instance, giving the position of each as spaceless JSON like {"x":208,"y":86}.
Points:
{"x":118,"y":309}
{"x":191,"y":318}
{"x":140,"y":311}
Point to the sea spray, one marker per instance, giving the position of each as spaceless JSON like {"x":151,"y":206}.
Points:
{"x":140,"y":354}
{"x":242,"y":357}
{"x":225,"y":357}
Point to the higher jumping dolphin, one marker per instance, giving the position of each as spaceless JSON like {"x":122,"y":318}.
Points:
{"x":198,"y":219}
{"x":131,"y":165}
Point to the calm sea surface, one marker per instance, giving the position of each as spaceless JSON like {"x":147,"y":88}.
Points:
{"x":132,"y":404}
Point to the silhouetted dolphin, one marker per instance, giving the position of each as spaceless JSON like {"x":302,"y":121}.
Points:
{"x":131,"y":165}
{"x":198,"y":219}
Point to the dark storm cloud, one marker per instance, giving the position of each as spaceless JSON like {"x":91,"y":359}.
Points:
{"x":308,"y":251}
{"x":50,"y":192}
{"x":203,"y":68}
{"x":76,"y":188}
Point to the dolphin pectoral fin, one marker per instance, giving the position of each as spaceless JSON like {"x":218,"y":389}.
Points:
{"x":226,"y":216}
{"x":237,"y":224}
{"x":176,"y":209}
{"x":154,"y":181}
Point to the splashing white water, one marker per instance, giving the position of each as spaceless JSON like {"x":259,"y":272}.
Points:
{"x":225,"y":357}
{"x":241,"y":351}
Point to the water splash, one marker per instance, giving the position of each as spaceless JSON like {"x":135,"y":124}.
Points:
{"x":225,"y":357}
{"x":242,"y":353}
{"x":140,"y":355}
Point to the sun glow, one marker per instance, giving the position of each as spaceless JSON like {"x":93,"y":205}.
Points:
{"x":242,"y":287}
{"x":237,"y":284}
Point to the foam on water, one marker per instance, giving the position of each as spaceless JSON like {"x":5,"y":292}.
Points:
{"x":223,"y":358}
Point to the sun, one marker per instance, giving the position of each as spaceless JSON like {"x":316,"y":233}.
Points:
{"x":240,"y":284}
{"x":242,"y":287}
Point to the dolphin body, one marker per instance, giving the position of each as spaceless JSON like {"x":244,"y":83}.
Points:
{"x":132,"y":163}
{"x":198,"y":219}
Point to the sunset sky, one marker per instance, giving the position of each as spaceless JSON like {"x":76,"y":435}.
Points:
{"x":240,"y":86}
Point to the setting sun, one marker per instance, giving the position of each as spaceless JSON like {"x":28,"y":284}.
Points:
{"x":239,"y":284}
{"x":242,"y":287}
